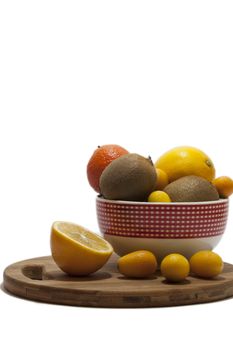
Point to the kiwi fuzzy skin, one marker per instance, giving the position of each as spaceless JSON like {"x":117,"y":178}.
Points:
{"x":130,"y":177}
{"x":191,"y":189}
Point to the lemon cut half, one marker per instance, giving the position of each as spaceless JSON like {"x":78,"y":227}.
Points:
{"x":76,"y":250}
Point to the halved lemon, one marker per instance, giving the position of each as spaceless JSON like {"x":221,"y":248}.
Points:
{"x":76,"y":250}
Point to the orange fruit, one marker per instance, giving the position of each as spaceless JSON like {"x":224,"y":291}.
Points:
{"x":175,"y":267}
{"x":159,"y":196}
{"x":162,"y":179}
{"x":138,"y":264}
{"x":206,"y":263}
{"x":185,"y":160}
{"x":76,"y":250}
{"x":224,"y":186}
{"x":101,"y":157}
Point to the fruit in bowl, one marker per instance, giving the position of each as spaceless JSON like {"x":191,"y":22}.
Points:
{"x":185,"y":160}
{"x":191,"y":188}
{"x":99,"y":160}
{"x":129,"y":177}
{"x":188,"y":215}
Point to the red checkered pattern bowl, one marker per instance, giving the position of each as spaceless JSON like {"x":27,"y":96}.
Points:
{"x":162,"y":228}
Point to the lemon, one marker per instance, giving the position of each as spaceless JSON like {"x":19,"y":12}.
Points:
{"x":185,"y":160}
{"x":175,"y":267}
{"x":76,"y":250}
{"x":138,"y":264}
{"x":159,"y":196}
{"x":206,"y":264}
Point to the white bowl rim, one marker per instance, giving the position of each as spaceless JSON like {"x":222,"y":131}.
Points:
{"x":101,"y":199}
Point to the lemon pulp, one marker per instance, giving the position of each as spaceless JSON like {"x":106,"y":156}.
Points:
{"x":76,"y":250}
{"x":83,"y":236}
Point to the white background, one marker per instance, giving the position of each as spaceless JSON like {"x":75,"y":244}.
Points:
{"x":148,"y":75}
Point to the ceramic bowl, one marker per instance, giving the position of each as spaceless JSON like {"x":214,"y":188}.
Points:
{"x":162,"y":228}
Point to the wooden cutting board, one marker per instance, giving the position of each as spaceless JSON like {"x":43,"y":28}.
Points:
{"x":40,"y":279}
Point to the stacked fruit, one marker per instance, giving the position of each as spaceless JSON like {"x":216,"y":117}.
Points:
{"x":183,"y":174}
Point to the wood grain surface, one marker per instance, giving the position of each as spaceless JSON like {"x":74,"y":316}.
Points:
{"x":40,"y":279}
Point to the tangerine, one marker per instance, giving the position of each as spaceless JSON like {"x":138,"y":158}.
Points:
{"x":99,"y":160}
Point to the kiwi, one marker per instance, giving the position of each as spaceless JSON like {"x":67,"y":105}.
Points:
{"x":191,"y":189}
{"x":130,"y":177}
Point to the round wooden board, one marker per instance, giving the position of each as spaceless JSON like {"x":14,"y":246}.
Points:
{"x":40,"y":279}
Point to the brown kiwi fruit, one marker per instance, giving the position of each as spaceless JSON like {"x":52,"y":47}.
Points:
{"x":191,"y":189}
{"x":130,"y":177}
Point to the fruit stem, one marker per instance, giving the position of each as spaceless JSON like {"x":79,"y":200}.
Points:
{"x":150,"y":159}
{"x":208,"y":163}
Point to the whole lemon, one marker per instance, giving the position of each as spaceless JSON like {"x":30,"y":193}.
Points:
{"x":186,"y":160}
{"x":206,"y":263}
{"x":175,"y":267}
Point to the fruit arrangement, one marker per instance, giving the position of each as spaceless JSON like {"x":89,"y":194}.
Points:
{"x":183,"y":174}
{"x":80,"y":252}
